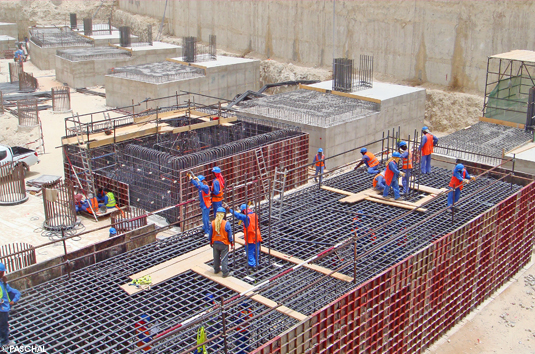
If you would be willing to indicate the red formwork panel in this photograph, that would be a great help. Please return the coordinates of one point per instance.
(410, 305)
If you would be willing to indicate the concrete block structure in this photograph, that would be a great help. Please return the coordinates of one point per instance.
(224, 77)
(7, 43)
(338, 122)
(86, 67)
(9, 29)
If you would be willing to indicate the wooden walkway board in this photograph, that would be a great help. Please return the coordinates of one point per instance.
(295, 260)
(240, 286)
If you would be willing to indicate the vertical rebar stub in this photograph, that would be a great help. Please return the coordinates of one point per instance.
(124, 36)
(59, 206)
(189, 47)
(74, 22)
(88, 26)
(12, 186)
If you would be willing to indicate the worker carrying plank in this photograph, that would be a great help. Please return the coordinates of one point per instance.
(251, 232)
(218, 186)
(392, 174)
(369, 160)
(458, 179)
(426, 148)
(319, 161)
(220, 237)
(205, 199)
(406, 160)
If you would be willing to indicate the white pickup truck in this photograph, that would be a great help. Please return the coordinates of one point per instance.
(18, 155)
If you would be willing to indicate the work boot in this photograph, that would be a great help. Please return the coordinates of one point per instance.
(228, 274)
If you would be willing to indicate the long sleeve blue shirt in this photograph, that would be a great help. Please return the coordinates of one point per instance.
(228, 229)
(366, 160)
(14, 296)
(424, 141)
(242, 217)
(202, 188)
(459, 175)
(216, 187)
(393, 166)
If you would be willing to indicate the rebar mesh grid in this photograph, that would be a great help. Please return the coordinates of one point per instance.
(157, 73)
(58, 37)
(310, 107)
(488, 140)
(61, 99)
(93, 53)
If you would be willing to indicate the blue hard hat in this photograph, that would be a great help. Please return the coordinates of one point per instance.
(221, 210)
(363, 150)
(2, 267)
(396, 154)
(209, 297)
(425, 128)
(320, 150)
(243, 207)
(200, 178)
(113, 231)
(216, 170)
(459, 166)
(145, 318)
(402, 143)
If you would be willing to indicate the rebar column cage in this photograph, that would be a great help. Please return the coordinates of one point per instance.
(343, 75)
(25, 256)
(27, 82)
(120, 219)
(212, 46)
(12, 186)
(88, 26)
(189, 47)
(124, 36)
(365, 72)
(28, 112)
(74, 22)
(61, 99)
(149, 34)
(509, 79)
(59, 206)
(14, 70)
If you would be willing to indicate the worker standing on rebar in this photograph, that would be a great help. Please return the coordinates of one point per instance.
(379, 182)
(242, 341)
(406, 160)
(251, 233)
(143, 332)
(426, 148)
(220, 237)
(204, 199)
(392, 174)
(319, 160)
(8, 297)
(369, 160)
(458, 179)
(218, 185)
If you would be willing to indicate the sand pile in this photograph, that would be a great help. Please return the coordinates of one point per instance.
(13, 135)
(272, 71)
(451, 111)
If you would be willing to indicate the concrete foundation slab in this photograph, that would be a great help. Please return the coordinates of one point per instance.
(9, 29)
(7, 43)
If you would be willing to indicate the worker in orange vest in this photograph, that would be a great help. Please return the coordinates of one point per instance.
(379, 182)
(460, 176)
(242, 342)
(406, 160)
(204, 199)
(392, 174)
(319, 160)
(90, 202)
(218, 185)
(251, 232)
(220, 237)
(426, 147)
(370, 161)
(143, 332)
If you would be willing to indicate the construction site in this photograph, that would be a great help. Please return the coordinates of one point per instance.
(141, 114)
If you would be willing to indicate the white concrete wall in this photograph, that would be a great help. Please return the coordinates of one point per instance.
(45, 58)
(10, 29)
(444, 42)
(87, 73)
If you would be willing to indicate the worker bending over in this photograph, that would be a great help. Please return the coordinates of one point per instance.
(460, 176)
(204, 199)
(379, 182)
(8, 297)
(392, 175)
(369, 160)
(426, 147)
(319, 160)
(220, 237)
(251, 233)
(90, 204)
(218, 185)
(406, 160)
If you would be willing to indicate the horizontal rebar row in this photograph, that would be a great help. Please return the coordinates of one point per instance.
(157, 73)
(93, 53)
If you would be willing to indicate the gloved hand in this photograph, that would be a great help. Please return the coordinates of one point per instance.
(402, 174)
(473, 178)
(190, 176)
(465, 181)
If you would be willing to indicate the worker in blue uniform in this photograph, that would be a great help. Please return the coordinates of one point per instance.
(220, 238)
(8, 297)
(217, 189)
(458, 179)
(406, 160)
(426, 148)
(379, 182)
(251, 233)
(205, 199)
(319, 161)
(242, 329)
(392, 174)
(370, 161)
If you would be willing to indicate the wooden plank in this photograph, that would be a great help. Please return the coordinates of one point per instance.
(395, 203)
(351, 95)
(241, 286)
(220, 121)
(356, 197)
(335, 190)
(425, 199)
(164, 115)
(502, 122)
(187, 64)
(295, 260)
(312, 88)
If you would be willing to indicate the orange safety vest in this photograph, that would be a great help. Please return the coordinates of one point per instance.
(94, 204)
(320, 162)
(252, 232)
(246, 314)
(376, 178)
(207, 200)
(455, 183)
(389, 175)
(373, 160)
(407, 162)
(427, 149)
(222, 236)
(217, 197)
(143, 334)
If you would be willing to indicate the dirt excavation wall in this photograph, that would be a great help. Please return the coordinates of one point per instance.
(442, 42)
